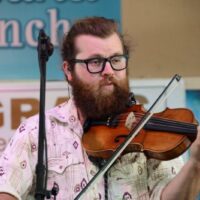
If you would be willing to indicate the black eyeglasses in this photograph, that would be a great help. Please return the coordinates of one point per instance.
(97, 65)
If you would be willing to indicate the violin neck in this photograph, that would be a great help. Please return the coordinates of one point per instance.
(187, 129)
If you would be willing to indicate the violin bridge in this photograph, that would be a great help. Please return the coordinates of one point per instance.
(130, 120)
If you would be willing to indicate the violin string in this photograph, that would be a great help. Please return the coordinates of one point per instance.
(171, 122)
(162, 119)
(171, 126)
(164, 122)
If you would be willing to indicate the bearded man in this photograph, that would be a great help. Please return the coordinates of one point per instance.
(95, 61)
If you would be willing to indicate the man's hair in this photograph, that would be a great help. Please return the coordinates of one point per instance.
(96, 26)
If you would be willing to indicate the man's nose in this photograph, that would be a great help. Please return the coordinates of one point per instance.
(107, 68)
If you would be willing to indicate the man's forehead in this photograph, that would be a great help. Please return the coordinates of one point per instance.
(96, 45)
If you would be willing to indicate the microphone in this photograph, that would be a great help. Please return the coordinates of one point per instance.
(45, 47)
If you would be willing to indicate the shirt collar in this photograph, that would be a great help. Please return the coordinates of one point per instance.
(65, 112)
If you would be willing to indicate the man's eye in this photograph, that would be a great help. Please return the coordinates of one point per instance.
(116, 60)
(95, 62)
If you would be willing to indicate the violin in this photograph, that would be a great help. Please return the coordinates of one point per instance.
(165, 136)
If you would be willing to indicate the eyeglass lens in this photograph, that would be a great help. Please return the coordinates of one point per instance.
(97, 64)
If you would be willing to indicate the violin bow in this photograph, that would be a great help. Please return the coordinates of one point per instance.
(162, 97)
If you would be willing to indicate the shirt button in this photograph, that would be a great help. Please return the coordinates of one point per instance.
(72, 118)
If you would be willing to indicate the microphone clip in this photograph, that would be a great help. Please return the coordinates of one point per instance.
(45, 47)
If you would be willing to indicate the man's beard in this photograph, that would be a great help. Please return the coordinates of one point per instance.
(95, 103)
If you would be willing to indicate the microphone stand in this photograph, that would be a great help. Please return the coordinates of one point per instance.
(45, 49)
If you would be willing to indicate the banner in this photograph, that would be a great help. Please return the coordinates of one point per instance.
(20, 22)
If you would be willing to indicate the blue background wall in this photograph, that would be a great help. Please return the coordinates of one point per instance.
(18, 60)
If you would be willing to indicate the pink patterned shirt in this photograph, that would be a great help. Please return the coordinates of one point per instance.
(133, 176)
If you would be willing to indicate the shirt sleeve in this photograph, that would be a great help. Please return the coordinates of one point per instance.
(16, 164)
(160, 173)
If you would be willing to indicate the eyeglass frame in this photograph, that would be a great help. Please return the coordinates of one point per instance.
(105, 60)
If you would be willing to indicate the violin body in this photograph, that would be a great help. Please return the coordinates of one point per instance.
(165, 136)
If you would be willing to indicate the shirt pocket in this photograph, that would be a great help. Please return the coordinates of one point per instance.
(66, 174)
(60, 165)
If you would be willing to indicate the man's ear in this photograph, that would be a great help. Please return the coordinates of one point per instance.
(67, 70)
